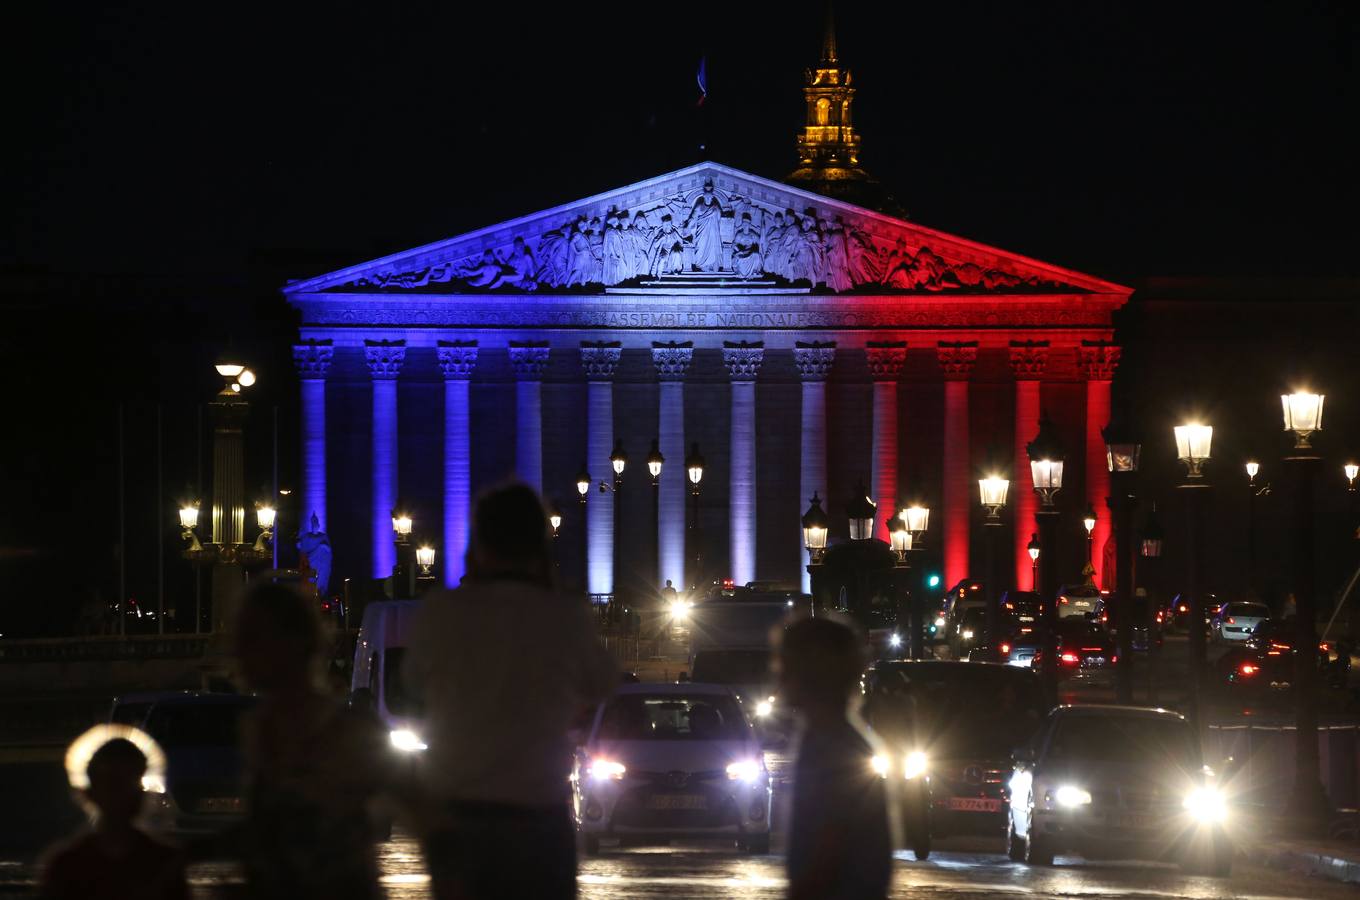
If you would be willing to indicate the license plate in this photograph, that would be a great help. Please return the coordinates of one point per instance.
(678, 801)
(1027, 618)
(975, 804)
(1133, 823)
(1093, 661)
(219, 804)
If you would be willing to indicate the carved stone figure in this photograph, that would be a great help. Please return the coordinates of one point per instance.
(639, 235)
(618, 255)
(584, 263)
(805, 257)
(770, 244)
(554, 256)
(316, 546)
(486, 272)
(866, 265)
(746, 259)
(836, 262)
(666, 256)
(704, 229)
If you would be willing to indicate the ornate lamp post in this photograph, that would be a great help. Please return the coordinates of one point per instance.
(618, 461)
(228, 553)
(694, 468)
(1046, 471)
(654, 463)
(992, 493)
(1193, 444)
(815, 529)
(425, 560)
(861, 511)
(583, 480)
(899, 539)
(1088, 521)
(404, 572)
(1351, 470)
(917, 519)
(1308, 804)
(1122, 453)
(1253, 468)
(1033, 550)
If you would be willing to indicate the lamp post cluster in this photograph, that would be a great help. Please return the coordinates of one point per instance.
(414, 571)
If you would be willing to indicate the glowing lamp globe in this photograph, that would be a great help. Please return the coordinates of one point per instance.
(1193, 443)
(1252, 469)
(862, 511)
(1302, 415)
(993, 491)
(264, 517)
(654, 461)
(425, 558)
(246, 378)
(694, 465)
(402, 525)
(618, 459)
(188, 516)
(815, 528)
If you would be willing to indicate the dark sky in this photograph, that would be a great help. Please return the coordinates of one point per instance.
(1123, 139)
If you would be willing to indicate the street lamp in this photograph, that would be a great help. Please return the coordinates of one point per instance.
(899, 538)
(654, 463)
(1308, 804)
(1194, 442)
(861, 511)
(401, 527)
(264, 518)
(1253, 468)
(619, 460)
(992, 494)
(917, 518)
(583, 483)
(1351, 470)
(1046, 471)
(1122, 455)
(1033, 550)
(1088, 521)
(425, 559)
(694, 468)
(815, 529)
(1153, 536)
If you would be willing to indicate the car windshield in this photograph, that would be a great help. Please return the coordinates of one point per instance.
(673, 717)
(180, 725)
(731, 667)
(1123, 739)
(1248, 610)
(397, 695)
(955, 709)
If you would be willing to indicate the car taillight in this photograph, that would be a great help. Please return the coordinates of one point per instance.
(1184, 608)
(1006, 649)
(1062, 600)
(1231, 620)
(1159, 617)
(1114, 659)
(1070, 659)
(1248, 669)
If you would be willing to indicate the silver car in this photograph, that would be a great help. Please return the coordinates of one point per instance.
(1236, 622)
(1117, 782)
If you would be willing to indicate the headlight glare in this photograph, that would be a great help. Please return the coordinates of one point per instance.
(747, 770)
(914, 766)
(764, 708)
(407, 741)
(1072, 797)
(606, 770)
(1206, 804)
(881, 765)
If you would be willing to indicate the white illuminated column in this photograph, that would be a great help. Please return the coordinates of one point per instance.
(885, 366)
(956, 361)
(313, 359)
(814, 361)
(1028, 359)
(743, 362)
(457, 359)
(384, 365)
(529, 359)
(672, 361)
(599, 362)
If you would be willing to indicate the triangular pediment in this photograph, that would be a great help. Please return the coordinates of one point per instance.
(713, 220)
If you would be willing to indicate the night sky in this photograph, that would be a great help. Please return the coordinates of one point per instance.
(204, 154)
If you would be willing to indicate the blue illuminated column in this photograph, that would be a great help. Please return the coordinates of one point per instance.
(457, 359)
(384, 364)
(743, 366)
(529, 359)
(814, 361)
(313, 359)
(885, 366)
(599, 359)
(672, 362)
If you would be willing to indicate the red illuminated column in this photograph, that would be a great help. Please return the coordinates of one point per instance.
(885, 365)
(1028, 359)
(1098, 361)
(956, 361)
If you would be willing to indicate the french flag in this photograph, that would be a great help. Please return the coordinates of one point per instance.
(703, 80)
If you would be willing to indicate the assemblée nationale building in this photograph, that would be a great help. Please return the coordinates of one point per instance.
(802, 333)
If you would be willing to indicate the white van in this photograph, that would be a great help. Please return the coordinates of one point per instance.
(379, 654)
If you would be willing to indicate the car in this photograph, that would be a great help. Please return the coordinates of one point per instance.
(1017, 646)
(968, 631)
(1255, 676)
(665, 761)
(1147, 624)
(199, 732)
(1080, 601)
(1237, 621)
(377, 681)
(1022, 607)
(1084, 649)
(1117, 782)
(1273, 634)
(951, 727)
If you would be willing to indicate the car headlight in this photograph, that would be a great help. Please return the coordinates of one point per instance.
(1072, 797)
(153, 784)
(895, 640)
(747, 770)
(881, 766)
(939, 621)
(680, 609)
(1206, 804)
(968, 634)
(607, 770)
(407, 741)
(914, 766)
(764, 708)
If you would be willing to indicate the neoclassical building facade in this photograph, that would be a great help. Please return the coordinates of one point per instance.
(804, 343)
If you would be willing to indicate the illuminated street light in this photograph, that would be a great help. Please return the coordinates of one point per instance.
(862, 512)
(619, 460)
(993, 491)
(1302, 415)
(917, 518)
(1351, 470)
(425, 558)
(246, 378)
(815, 528)
(655, 461)
(583, 483)
(899, 538)
(1252, 469)
(401, 526)
(694, 467)
(1046, 463)
(1193, 442)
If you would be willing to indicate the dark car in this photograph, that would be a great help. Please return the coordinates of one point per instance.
(951, 727)
(1147, 625)
(1022, 607)
(1083, 648)
(968, 632)
(1273, 634)
(1255, 676)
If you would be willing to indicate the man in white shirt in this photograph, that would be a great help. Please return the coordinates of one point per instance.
(505, 664)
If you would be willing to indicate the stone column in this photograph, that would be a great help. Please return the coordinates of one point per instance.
(529, 359)
(672, 361)
(1098, 360)
(1028, 359)
(814, 361)
(599, 360)
(313, 359)
(743, 366)
(457, 359)
(885, 365)
(956, 362)
(384, 364)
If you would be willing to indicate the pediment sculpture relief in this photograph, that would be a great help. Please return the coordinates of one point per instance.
(708, 230)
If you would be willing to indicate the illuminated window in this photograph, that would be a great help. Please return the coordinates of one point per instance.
(823, 110)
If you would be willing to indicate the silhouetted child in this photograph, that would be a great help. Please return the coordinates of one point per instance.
(116, 859)
(841, 833)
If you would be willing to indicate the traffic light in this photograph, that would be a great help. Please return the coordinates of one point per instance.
(933, 580)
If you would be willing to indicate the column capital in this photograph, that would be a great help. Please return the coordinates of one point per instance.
(1098, 360)
(957, 358)
(600, 359)
(529, 359)
(313, 358)
(814, 359)
(743, 359)
(886, 359)
(457, 359)
(672, 359)
(384, 358)
(1028, 359)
